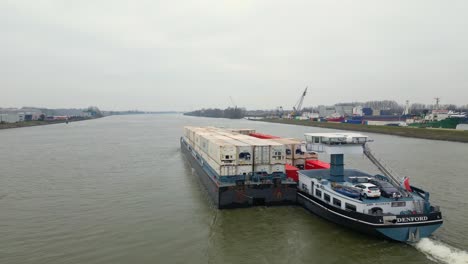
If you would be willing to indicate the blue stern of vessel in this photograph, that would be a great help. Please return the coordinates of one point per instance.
(403, 234)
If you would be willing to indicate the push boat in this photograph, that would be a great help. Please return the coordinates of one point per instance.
(406, 216)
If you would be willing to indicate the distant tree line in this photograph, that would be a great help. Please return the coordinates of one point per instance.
(94, 111)
(230, 112)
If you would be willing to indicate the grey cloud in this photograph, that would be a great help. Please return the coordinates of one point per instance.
(182, 55)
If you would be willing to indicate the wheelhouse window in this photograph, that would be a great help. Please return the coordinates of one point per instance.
(350, 207)
(398, 204)
(337, 202)
(318, 193)
(326, 197)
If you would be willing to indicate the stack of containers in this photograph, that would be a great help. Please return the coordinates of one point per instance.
(229, 158)
(234, 155)
(269, 156)
(294, 154)
(242, 156)
(190, 134)
(220, 155)
(295, 149)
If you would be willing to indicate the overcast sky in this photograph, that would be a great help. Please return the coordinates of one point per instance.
(184, 55)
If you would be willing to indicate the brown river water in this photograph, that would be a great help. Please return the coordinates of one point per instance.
(118, 190)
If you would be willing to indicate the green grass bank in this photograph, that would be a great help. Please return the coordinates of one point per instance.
(425, 133)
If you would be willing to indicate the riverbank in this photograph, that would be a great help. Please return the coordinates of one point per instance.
(425, 133)
(39, 123)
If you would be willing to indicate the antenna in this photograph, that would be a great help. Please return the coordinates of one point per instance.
(437, 103)
(407, 108)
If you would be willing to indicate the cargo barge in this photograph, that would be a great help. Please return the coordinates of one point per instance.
(241, 168)
(238, 170)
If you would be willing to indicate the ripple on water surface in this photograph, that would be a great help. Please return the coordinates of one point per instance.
(118, 190)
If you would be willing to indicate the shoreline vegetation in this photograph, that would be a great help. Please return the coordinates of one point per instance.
(42, 123)
(231, 113)
(424, 133)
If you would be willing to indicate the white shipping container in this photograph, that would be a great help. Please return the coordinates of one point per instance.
(298, 152)
(261, 150)
(216, 148)
(198, 135)
(227, 170)
(243, 150)
(277, 168)
(244, 170)
(262, 169)
(261, 154)
(243, 131)
(190, 132)
(268, 169)
(299, 162)
(289, 144)
(277, 152)
(221, 151)
(221, 170)
(311, 155)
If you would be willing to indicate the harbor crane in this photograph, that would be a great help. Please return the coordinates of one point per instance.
(298, 106)
(233, 103)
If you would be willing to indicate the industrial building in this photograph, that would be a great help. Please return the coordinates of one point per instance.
(13, 115)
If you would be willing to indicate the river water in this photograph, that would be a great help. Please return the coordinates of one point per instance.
(118, 190)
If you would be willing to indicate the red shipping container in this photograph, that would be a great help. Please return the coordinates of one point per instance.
(316, 165)
(291, 172)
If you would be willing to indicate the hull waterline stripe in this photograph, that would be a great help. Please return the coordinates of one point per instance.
(364, 222)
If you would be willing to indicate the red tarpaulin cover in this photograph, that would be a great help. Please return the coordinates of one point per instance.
(262, 136)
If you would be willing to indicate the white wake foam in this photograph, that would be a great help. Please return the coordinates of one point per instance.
(440, 252)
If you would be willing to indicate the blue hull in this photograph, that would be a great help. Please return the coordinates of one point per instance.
(410, 232)
(403, 234)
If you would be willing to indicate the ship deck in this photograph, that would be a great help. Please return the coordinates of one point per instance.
(326, 180)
